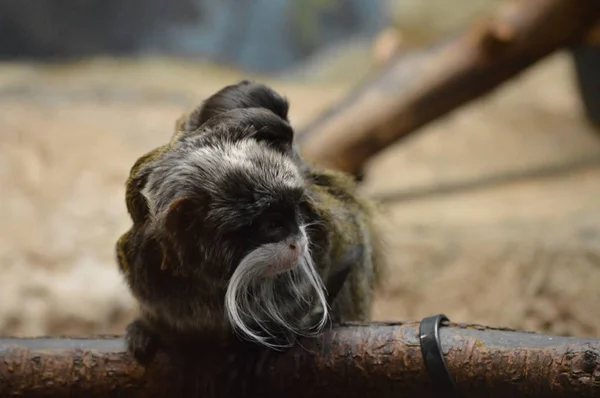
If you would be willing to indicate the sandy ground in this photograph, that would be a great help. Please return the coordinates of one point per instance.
(524, 255)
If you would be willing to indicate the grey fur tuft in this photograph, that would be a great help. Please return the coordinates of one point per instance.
(191, 165)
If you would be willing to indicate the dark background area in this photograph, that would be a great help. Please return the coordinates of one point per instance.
(260, 35)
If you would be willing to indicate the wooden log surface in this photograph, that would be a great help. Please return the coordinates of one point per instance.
(416, 89)
(375, 360)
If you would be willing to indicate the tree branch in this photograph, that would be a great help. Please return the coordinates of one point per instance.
(419, 88)
(376, 360)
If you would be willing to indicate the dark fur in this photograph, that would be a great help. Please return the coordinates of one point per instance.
(183, 267)
(243, 95)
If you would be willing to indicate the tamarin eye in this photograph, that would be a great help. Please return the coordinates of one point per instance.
(273, 224)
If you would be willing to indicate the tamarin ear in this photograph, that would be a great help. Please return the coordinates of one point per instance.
(178, 217)
(243, 95)
(182, 227)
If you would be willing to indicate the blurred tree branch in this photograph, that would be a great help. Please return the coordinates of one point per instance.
(419, 88)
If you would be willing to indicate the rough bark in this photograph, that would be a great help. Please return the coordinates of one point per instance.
(421, 87)
(376, 360)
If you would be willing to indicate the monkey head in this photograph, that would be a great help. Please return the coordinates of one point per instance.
(228, 212)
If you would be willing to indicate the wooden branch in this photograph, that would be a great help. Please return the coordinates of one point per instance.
(419, 88)
(376, 360)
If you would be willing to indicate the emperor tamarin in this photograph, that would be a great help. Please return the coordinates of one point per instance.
(233, 232)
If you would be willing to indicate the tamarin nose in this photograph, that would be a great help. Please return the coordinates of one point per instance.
(293, 247)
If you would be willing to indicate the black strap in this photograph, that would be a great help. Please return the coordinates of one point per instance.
(433, 356)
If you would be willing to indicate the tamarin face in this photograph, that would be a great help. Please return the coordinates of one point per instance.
(229, 212)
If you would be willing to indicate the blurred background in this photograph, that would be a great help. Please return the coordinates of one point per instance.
(88, 86)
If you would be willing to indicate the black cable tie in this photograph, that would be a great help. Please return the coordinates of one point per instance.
(431, 349)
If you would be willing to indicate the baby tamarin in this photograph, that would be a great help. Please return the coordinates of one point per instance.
(234, 232)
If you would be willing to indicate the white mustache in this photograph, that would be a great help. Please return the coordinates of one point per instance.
(251, 298)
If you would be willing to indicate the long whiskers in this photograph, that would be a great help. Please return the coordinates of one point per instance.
(252, 302)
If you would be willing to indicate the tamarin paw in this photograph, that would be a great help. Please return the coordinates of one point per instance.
(141, 342)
